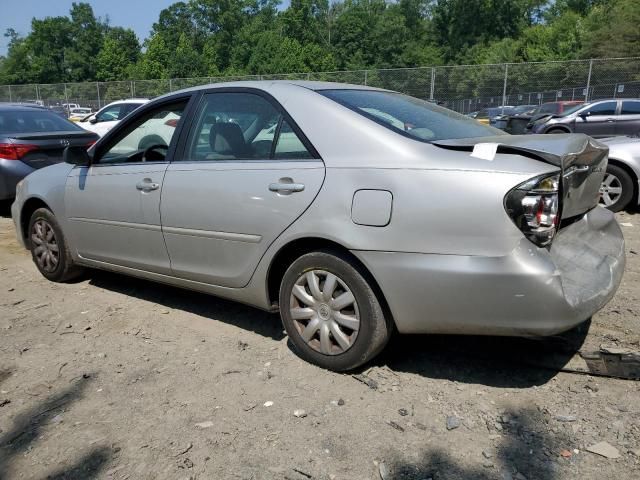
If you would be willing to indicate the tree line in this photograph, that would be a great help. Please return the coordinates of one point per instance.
(246, 37)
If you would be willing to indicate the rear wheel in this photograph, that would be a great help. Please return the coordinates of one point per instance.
(331, 313)
(557, 130)
(616, 190)
(49, 249)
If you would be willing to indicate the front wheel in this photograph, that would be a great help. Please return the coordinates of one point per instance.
(49, 248)
(616, 190)
(331, 313)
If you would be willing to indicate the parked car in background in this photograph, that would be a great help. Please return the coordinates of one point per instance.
(500, 121)
(109, 116)
(600, 119)
(620, 185)
(80, 113)
(486, 115)
(362, 212)
(517, 123)
(31, 138)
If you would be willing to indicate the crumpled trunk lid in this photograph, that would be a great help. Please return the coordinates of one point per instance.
(582, 161)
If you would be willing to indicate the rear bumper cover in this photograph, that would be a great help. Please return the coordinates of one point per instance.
(532, 291)
(11, 172)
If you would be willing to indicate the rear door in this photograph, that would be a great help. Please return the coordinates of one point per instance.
(628, 122)
(599, 120)
(246, 172)
(113, 206)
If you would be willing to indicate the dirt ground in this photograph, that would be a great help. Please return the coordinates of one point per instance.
(117, 378)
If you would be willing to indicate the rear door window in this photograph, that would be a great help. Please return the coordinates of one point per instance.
(630, 107)
(242, 126)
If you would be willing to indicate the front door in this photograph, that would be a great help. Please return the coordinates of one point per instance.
(599, 120)
(113, 206)
(245, 174)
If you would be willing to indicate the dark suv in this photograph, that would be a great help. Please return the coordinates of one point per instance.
(603, 118)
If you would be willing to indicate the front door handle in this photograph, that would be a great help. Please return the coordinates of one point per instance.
(286, 188)
(147, 185)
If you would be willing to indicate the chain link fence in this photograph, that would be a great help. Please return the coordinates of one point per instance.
(465, 88)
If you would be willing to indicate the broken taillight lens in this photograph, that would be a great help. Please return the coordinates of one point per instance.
(534, 206)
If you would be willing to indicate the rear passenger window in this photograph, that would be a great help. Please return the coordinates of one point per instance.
(241, 126)
(630, 108)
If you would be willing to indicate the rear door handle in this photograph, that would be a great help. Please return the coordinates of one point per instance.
(147, 185)
(286, 188)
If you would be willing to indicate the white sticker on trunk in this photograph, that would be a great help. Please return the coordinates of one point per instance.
(485, 151)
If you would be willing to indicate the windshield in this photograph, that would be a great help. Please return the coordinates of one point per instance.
(410, 116)
(34, 121)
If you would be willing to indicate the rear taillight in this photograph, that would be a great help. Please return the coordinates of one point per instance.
(534, 207)
(172, 123)
(13, 151)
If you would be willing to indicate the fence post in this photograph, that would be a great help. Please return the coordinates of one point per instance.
(10, 97)
(170, 85)
(586, 98)
(504, 87)
(66, 99)
(365, 77)
(37, 93)
(433, 83)
(98, 90)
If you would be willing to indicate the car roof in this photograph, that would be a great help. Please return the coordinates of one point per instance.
(266, 85)
(21, 106)
(141, 101)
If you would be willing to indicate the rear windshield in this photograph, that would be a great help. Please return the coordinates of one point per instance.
(34, 121)
(410, 116)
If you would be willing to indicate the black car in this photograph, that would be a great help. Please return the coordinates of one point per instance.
(32, 137)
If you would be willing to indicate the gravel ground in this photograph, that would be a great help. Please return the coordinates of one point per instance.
(118, 378)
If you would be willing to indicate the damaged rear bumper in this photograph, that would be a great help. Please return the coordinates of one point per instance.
(531, 291)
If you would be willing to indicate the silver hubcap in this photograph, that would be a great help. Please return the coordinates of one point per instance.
(610, 189)
(44, 245)
(325, 312)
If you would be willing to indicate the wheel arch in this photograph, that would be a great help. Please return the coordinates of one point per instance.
(289, 252)
(558, 127)
(30, 205)
(624, 166)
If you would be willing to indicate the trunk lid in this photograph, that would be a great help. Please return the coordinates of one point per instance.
(581, 159)
(50, 146)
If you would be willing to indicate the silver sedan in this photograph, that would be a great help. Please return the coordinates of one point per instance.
(353, 211)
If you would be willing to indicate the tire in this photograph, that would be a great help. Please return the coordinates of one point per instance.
(556, 131)
(150, 140)
(355, 342)
(616, 178)
(44, 230)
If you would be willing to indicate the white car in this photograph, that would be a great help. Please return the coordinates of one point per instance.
(109, 116)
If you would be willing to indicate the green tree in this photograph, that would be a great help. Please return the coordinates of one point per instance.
(120, 50)
(86, 38)
(612, 29)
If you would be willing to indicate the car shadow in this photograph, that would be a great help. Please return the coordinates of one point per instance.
(207, 306)
(491, 361)
(510, 362)
(30, 425)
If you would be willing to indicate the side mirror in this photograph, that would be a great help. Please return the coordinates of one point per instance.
(94, 120)
(76, 156)
(584, 115)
